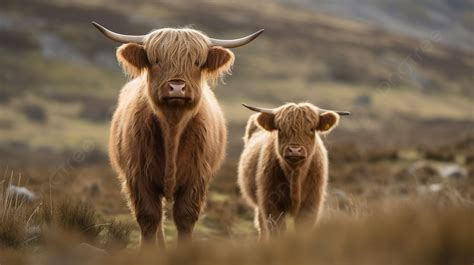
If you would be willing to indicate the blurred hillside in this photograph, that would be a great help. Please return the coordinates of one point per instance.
(453, 19)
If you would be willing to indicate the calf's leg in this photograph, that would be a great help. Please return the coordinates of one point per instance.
(259, 223)
(308, 214)
(160, 235)
(306, 219)
(273, 219)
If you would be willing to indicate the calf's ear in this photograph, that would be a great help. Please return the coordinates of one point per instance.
(266, 121)
(327, 121)
(218, 62)
(133, 59)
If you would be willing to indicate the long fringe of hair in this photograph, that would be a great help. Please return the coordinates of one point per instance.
(179, 50)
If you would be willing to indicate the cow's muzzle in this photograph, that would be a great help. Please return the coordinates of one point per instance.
(176, 92)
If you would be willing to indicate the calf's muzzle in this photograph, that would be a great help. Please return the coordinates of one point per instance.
(294, 153)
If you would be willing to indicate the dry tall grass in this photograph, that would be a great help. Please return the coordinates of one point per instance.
(13, 216)
(416, 229)
(26, 226)
(433, 228)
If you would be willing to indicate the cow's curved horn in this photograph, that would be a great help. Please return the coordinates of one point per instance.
(342, 113)
(139, 39)
(237, 42)
(256, 109)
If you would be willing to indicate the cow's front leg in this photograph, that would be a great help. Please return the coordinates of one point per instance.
(148, 208)
(186, 210)
(149, 216)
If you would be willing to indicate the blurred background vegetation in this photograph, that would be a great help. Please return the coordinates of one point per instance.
(403, 68)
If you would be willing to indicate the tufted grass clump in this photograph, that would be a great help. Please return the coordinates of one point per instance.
(26, 224)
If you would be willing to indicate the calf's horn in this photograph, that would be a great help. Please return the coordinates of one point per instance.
(271, 111)
(256, 109)
(341, 113)
(140, 39)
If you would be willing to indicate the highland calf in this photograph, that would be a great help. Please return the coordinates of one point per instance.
(168, 134)
(283, 168)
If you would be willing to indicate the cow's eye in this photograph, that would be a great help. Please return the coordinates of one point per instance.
(197, 64)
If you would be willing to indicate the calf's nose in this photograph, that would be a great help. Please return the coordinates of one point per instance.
(295, 151)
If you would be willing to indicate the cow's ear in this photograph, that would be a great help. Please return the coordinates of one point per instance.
(218, 62)
(266, 121)
(327, 121)
(133, 59)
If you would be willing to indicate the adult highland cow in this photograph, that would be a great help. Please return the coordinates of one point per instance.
(168, 134)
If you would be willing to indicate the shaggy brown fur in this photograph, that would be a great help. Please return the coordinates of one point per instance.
(274, 184)
(164, 147)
